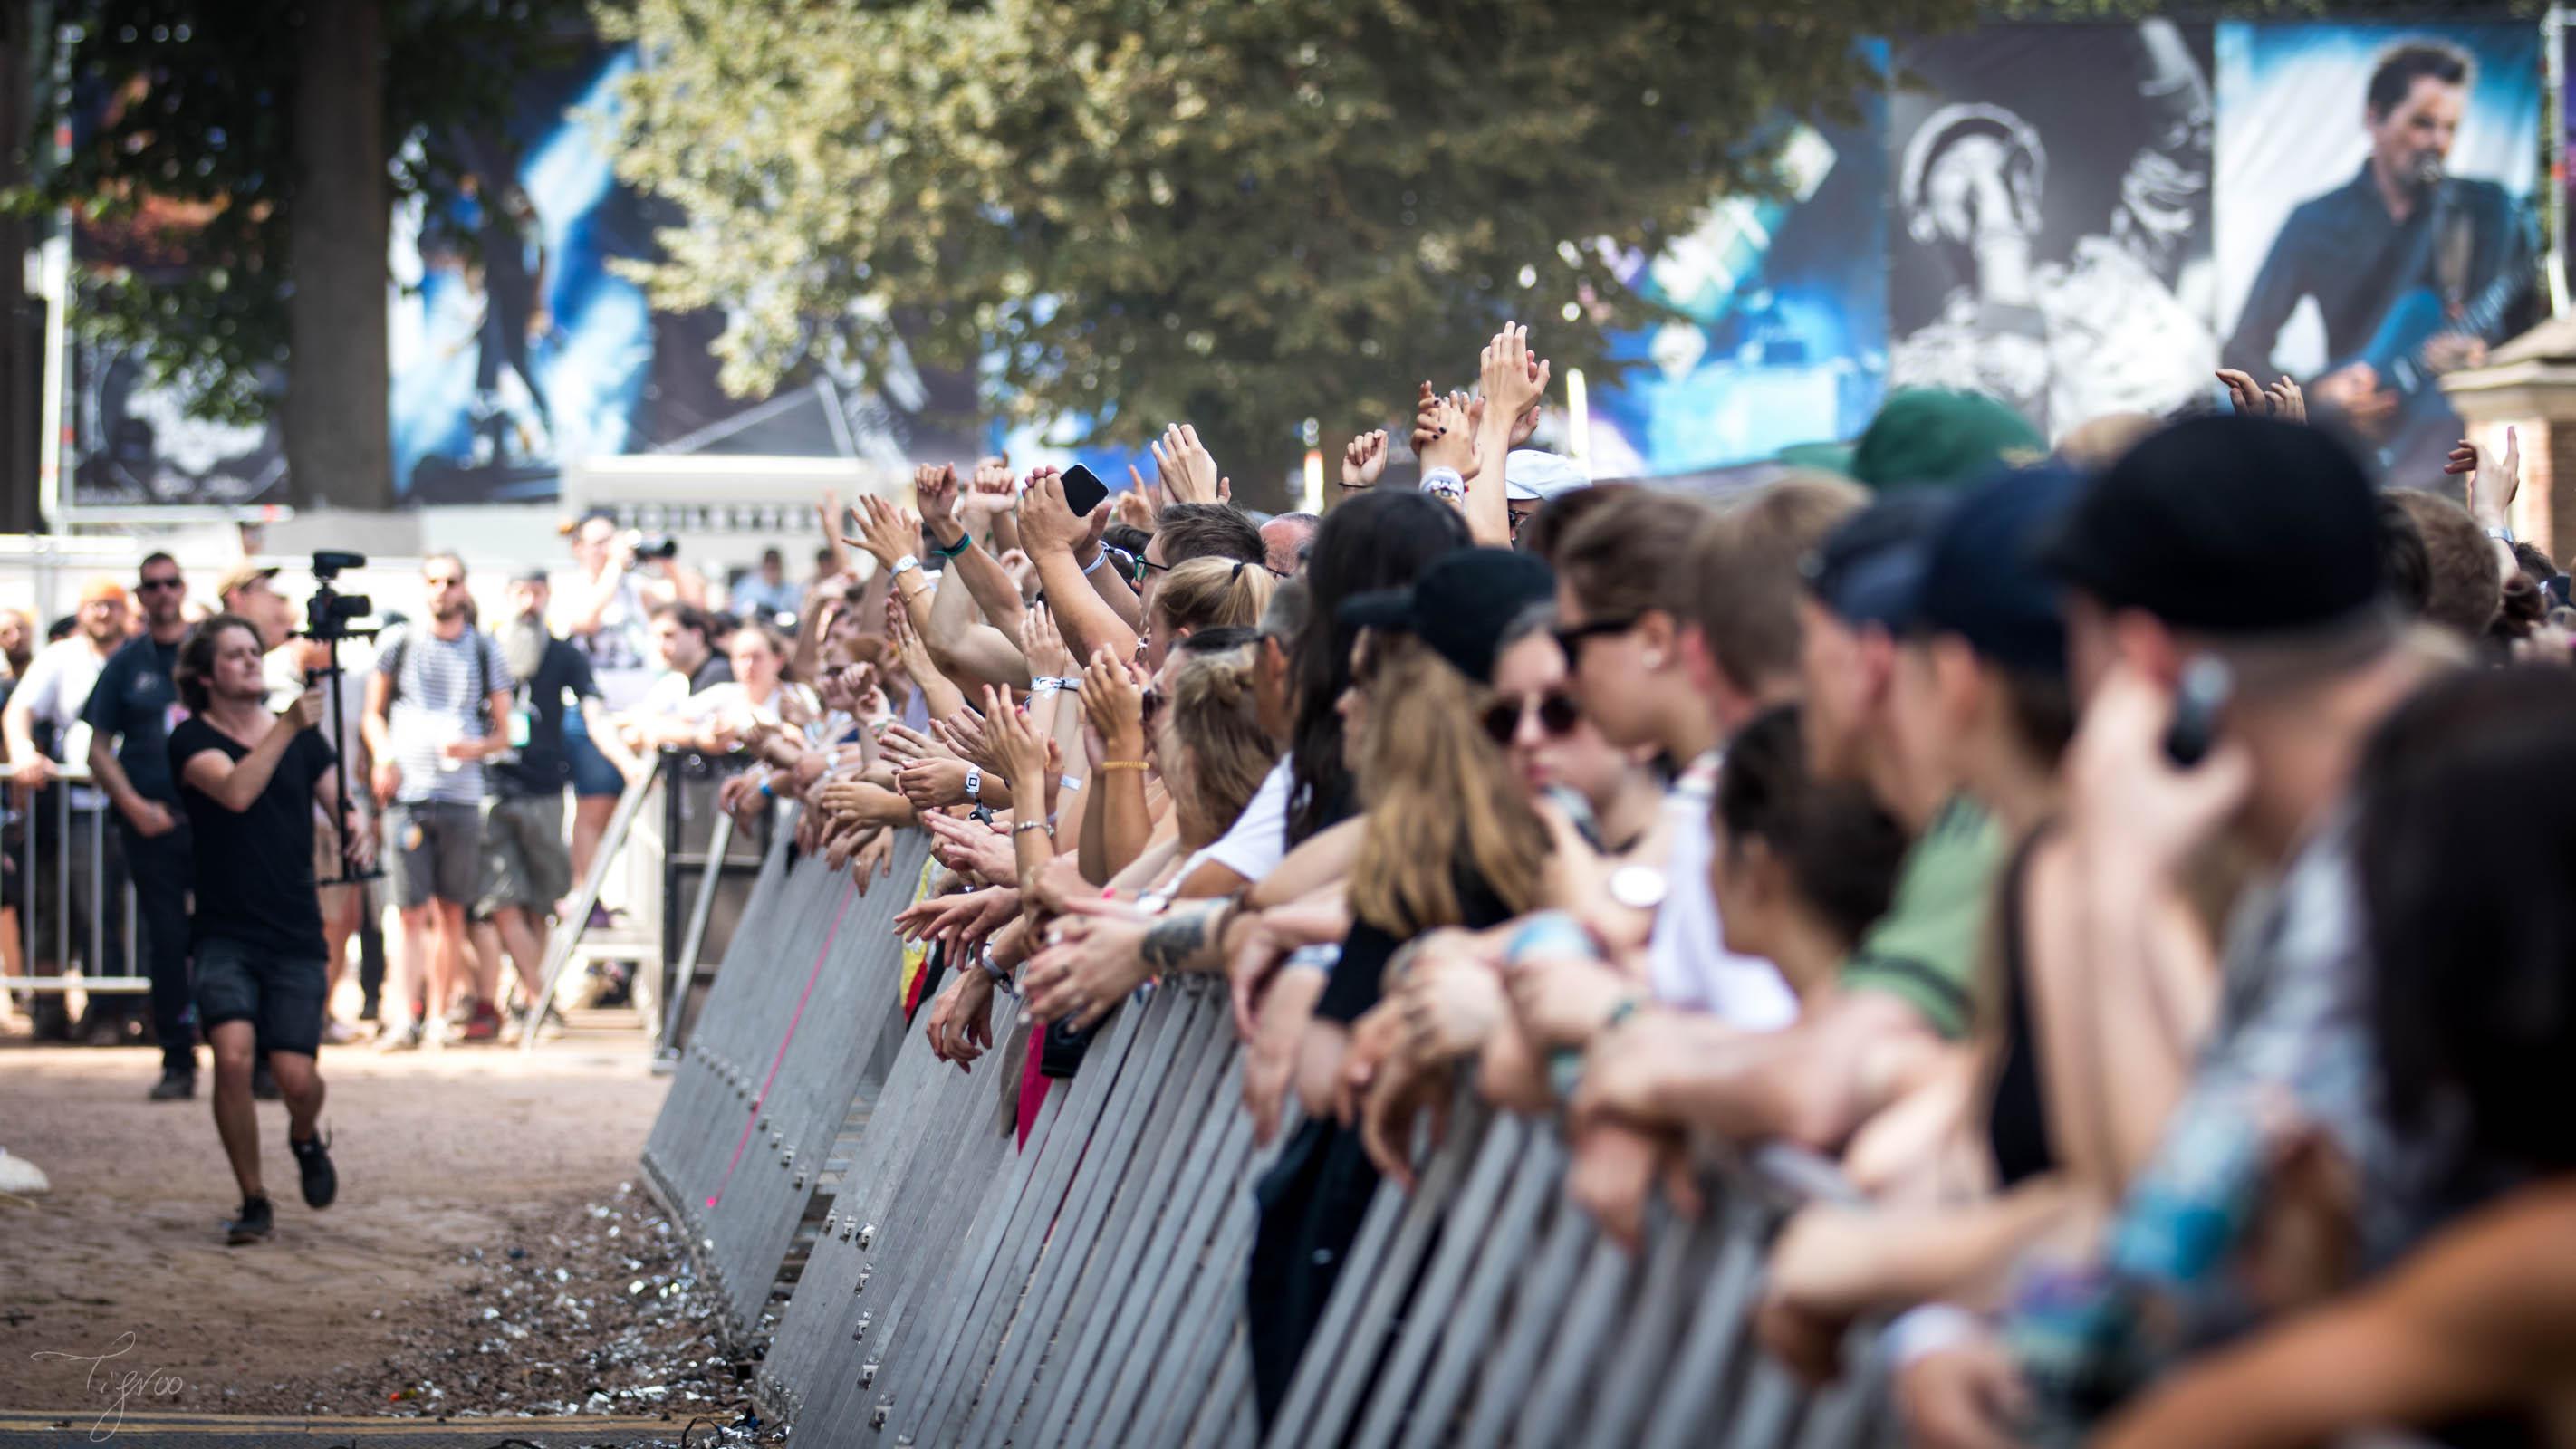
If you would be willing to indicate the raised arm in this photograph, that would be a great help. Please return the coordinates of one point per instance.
(236, 784)
(1065, 549)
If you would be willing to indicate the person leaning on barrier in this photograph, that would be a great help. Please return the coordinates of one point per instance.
(2249, 547)
(41, 724)
(686, 640)
(2462, 909)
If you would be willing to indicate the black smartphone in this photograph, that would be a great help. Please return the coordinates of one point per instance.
(1083, 490)
(2198, 700)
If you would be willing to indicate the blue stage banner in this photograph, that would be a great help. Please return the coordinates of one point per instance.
(1782, 337)
(517, 345)
(2375, 217)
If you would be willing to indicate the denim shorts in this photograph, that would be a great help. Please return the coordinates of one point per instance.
(592, 774)
(281, 996)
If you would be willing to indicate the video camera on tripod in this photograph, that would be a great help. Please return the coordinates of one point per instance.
(327, 621)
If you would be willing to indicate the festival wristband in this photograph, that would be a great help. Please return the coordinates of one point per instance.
(965, 541)
(975, 784)
(1097, 559)
(1444, 483)
(1551, 933)
(908, 561)
(1068, 782)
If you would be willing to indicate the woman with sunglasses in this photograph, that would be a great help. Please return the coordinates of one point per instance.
(1450, 839)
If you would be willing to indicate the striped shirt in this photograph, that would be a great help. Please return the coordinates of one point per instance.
(435, 700)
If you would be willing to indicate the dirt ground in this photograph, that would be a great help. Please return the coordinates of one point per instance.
(491, 1251)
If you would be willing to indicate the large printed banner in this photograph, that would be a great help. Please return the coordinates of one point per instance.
(2375, 224)
(2088, 219)
(517, 346)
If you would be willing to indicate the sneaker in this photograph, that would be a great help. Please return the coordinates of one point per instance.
(402, 1038)
(461, 1011)
(22, 1178)
(257, 1221)
(176, 1085)
(313, 1160)
(483, 1025)
(263, 1083)
(336, 1032)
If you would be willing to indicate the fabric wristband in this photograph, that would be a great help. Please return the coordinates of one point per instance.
(1919, 1332)
(1097, 559)
(1444, 483)
(1068, 782)
(908, 561)
(965, 541)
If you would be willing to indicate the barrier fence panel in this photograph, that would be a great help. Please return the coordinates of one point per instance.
(77, 923)
(1086, 1286)
(795, 1025)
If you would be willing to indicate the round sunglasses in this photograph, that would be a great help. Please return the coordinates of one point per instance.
(1558, 714)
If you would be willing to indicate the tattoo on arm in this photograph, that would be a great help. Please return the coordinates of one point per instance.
(1171, 943)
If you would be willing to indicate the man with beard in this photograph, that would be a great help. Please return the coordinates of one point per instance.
(435, 706)
(130, 713)
(526, 867)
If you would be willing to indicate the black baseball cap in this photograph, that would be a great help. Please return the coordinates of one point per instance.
(2229, 526)
(1982, 579)
(1869, 570)
(1461, 605)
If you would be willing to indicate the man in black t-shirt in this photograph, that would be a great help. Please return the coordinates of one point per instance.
(527, 867)
(130, 712)
(250, 780)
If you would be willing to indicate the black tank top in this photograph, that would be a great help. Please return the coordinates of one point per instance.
(2017, 1118)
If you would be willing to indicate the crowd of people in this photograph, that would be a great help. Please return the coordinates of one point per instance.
(2130, 865)
(2120, 862)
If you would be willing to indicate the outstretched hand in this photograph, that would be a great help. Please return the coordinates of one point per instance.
(2281, 400)
(1364, 460)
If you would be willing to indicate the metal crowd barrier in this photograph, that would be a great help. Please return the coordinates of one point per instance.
(797, 1024)
(1086, 1287)
(54, 841)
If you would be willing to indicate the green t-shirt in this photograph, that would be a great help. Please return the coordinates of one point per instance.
(1925, 950)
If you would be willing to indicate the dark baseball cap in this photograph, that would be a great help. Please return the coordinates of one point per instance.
(1461, 605)
(1982, 579)
(2229, 526)
(1869, 570)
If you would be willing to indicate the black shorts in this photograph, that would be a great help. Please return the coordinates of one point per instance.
(280, 996)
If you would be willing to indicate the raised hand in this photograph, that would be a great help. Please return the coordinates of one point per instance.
(1042, 643)
(885, 531)
(1115, 704)
(933, 784)
(1046, 520)
(1364, 460)
(1136, 507)
(1510, 376)
(2281, 400)
(1019, 753)
(970, 847)
(1444, 438)
(2494, 479)
(934, 488)
(964, 734)
(1188, 469)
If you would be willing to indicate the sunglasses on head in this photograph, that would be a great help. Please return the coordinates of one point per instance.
(1558, 714)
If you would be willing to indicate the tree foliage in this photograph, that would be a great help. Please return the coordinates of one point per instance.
(183, 163)
(1241, 214)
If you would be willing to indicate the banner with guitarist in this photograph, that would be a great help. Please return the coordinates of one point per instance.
(2374, 215)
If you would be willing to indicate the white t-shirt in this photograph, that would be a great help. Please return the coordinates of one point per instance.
(55, 687)
(1688, 964)
(1258, 840)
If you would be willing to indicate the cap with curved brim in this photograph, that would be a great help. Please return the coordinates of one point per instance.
(1461, 606)
(1531, 476)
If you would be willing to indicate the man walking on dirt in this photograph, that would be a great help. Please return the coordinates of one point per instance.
(250, 780)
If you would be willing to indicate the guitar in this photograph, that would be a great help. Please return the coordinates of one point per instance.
(2395, 354)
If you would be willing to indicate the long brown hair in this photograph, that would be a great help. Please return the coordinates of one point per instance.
(1440, 796)
(1213, 748)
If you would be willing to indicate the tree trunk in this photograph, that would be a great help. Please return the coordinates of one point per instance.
(339, 449)
(22, 363)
